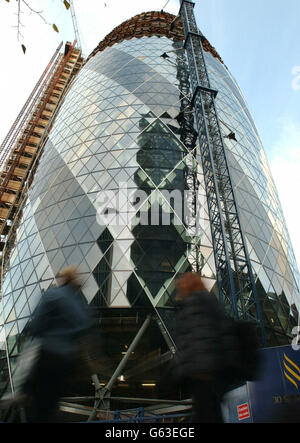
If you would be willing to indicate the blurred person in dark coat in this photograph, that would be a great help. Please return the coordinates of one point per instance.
(59, 321)
(199, 349)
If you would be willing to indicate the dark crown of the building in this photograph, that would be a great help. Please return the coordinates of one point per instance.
(148, 24)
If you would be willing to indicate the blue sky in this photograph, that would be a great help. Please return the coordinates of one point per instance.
(257, 39)
(259, 42)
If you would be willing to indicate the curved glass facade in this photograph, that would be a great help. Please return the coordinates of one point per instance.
(118, 130)
(271, 252)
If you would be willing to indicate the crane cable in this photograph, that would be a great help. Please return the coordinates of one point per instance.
(165, 5)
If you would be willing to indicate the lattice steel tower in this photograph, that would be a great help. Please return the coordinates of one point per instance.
(237, 290)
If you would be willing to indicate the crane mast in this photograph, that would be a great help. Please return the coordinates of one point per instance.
(235, 279)
(75, 25)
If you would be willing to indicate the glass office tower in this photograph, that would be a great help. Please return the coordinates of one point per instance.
(119, 130)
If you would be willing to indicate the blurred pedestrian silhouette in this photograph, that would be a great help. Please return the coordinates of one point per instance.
(59, 322)
(211, 352)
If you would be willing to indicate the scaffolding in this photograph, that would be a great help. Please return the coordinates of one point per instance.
(25, 112)
(24, 143)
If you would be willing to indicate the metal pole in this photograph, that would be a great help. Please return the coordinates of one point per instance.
(128, 353)
(103, 391)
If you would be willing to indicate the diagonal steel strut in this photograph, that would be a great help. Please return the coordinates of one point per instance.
(103, 393)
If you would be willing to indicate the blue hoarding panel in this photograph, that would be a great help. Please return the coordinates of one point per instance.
(275, 395)
(236, 407)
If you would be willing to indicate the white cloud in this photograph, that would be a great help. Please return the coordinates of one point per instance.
(285, 167)
(296, 79)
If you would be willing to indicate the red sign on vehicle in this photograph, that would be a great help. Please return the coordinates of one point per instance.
(243, 411)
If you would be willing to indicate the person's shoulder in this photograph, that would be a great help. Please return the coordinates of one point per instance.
(204, 299)
(52, 293)
(202, 296)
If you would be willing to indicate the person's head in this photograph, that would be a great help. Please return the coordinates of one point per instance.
(188, 283)
(70, 276)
